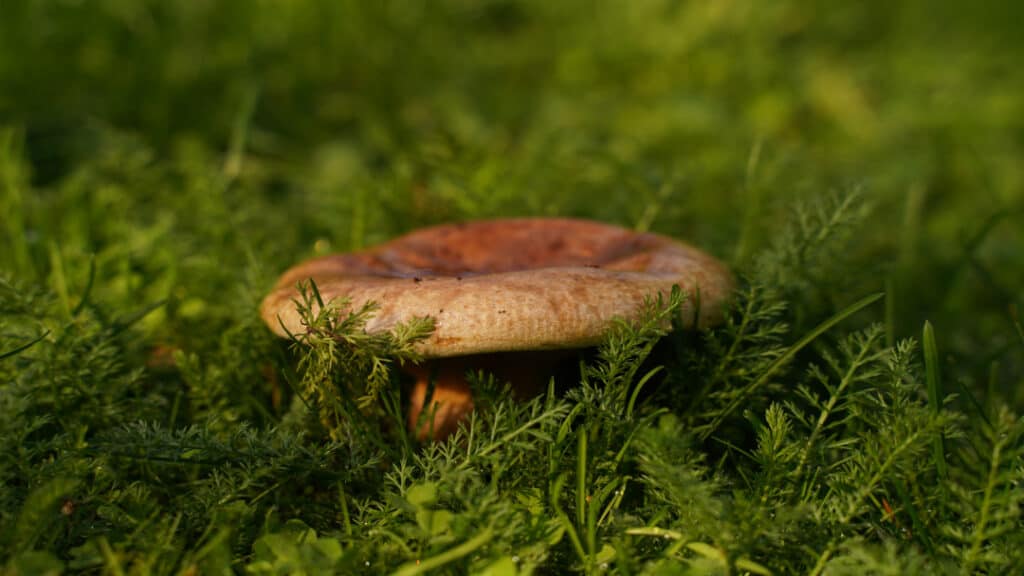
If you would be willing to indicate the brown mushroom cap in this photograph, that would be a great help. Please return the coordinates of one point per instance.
(507, 285)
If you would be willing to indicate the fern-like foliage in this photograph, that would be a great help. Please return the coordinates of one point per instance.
(807, 259)
(784, 441)
(234, 379)
(608, 385)
(986, 496)
(856, 558)
(738, 366)
(72, 381)
(725, 371)
(344, 368)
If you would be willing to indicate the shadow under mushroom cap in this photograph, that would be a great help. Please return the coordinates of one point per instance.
(507, 285)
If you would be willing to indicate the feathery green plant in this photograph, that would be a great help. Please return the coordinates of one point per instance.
(344, 368)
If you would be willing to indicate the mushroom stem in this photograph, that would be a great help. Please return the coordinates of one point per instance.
(452, 399)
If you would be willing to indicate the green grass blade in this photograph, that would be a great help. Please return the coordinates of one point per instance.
(412, 568)
(87, 291)
(890, 312)
(581, 479)
(935, 394)
(23, 347)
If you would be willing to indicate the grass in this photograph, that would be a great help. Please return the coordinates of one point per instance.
(161, 163)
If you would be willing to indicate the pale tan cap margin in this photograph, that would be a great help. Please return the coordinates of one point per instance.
(508, 285)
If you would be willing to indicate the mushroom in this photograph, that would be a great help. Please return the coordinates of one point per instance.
(538, 285)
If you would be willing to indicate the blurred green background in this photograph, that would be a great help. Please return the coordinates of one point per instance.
(195, 149)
